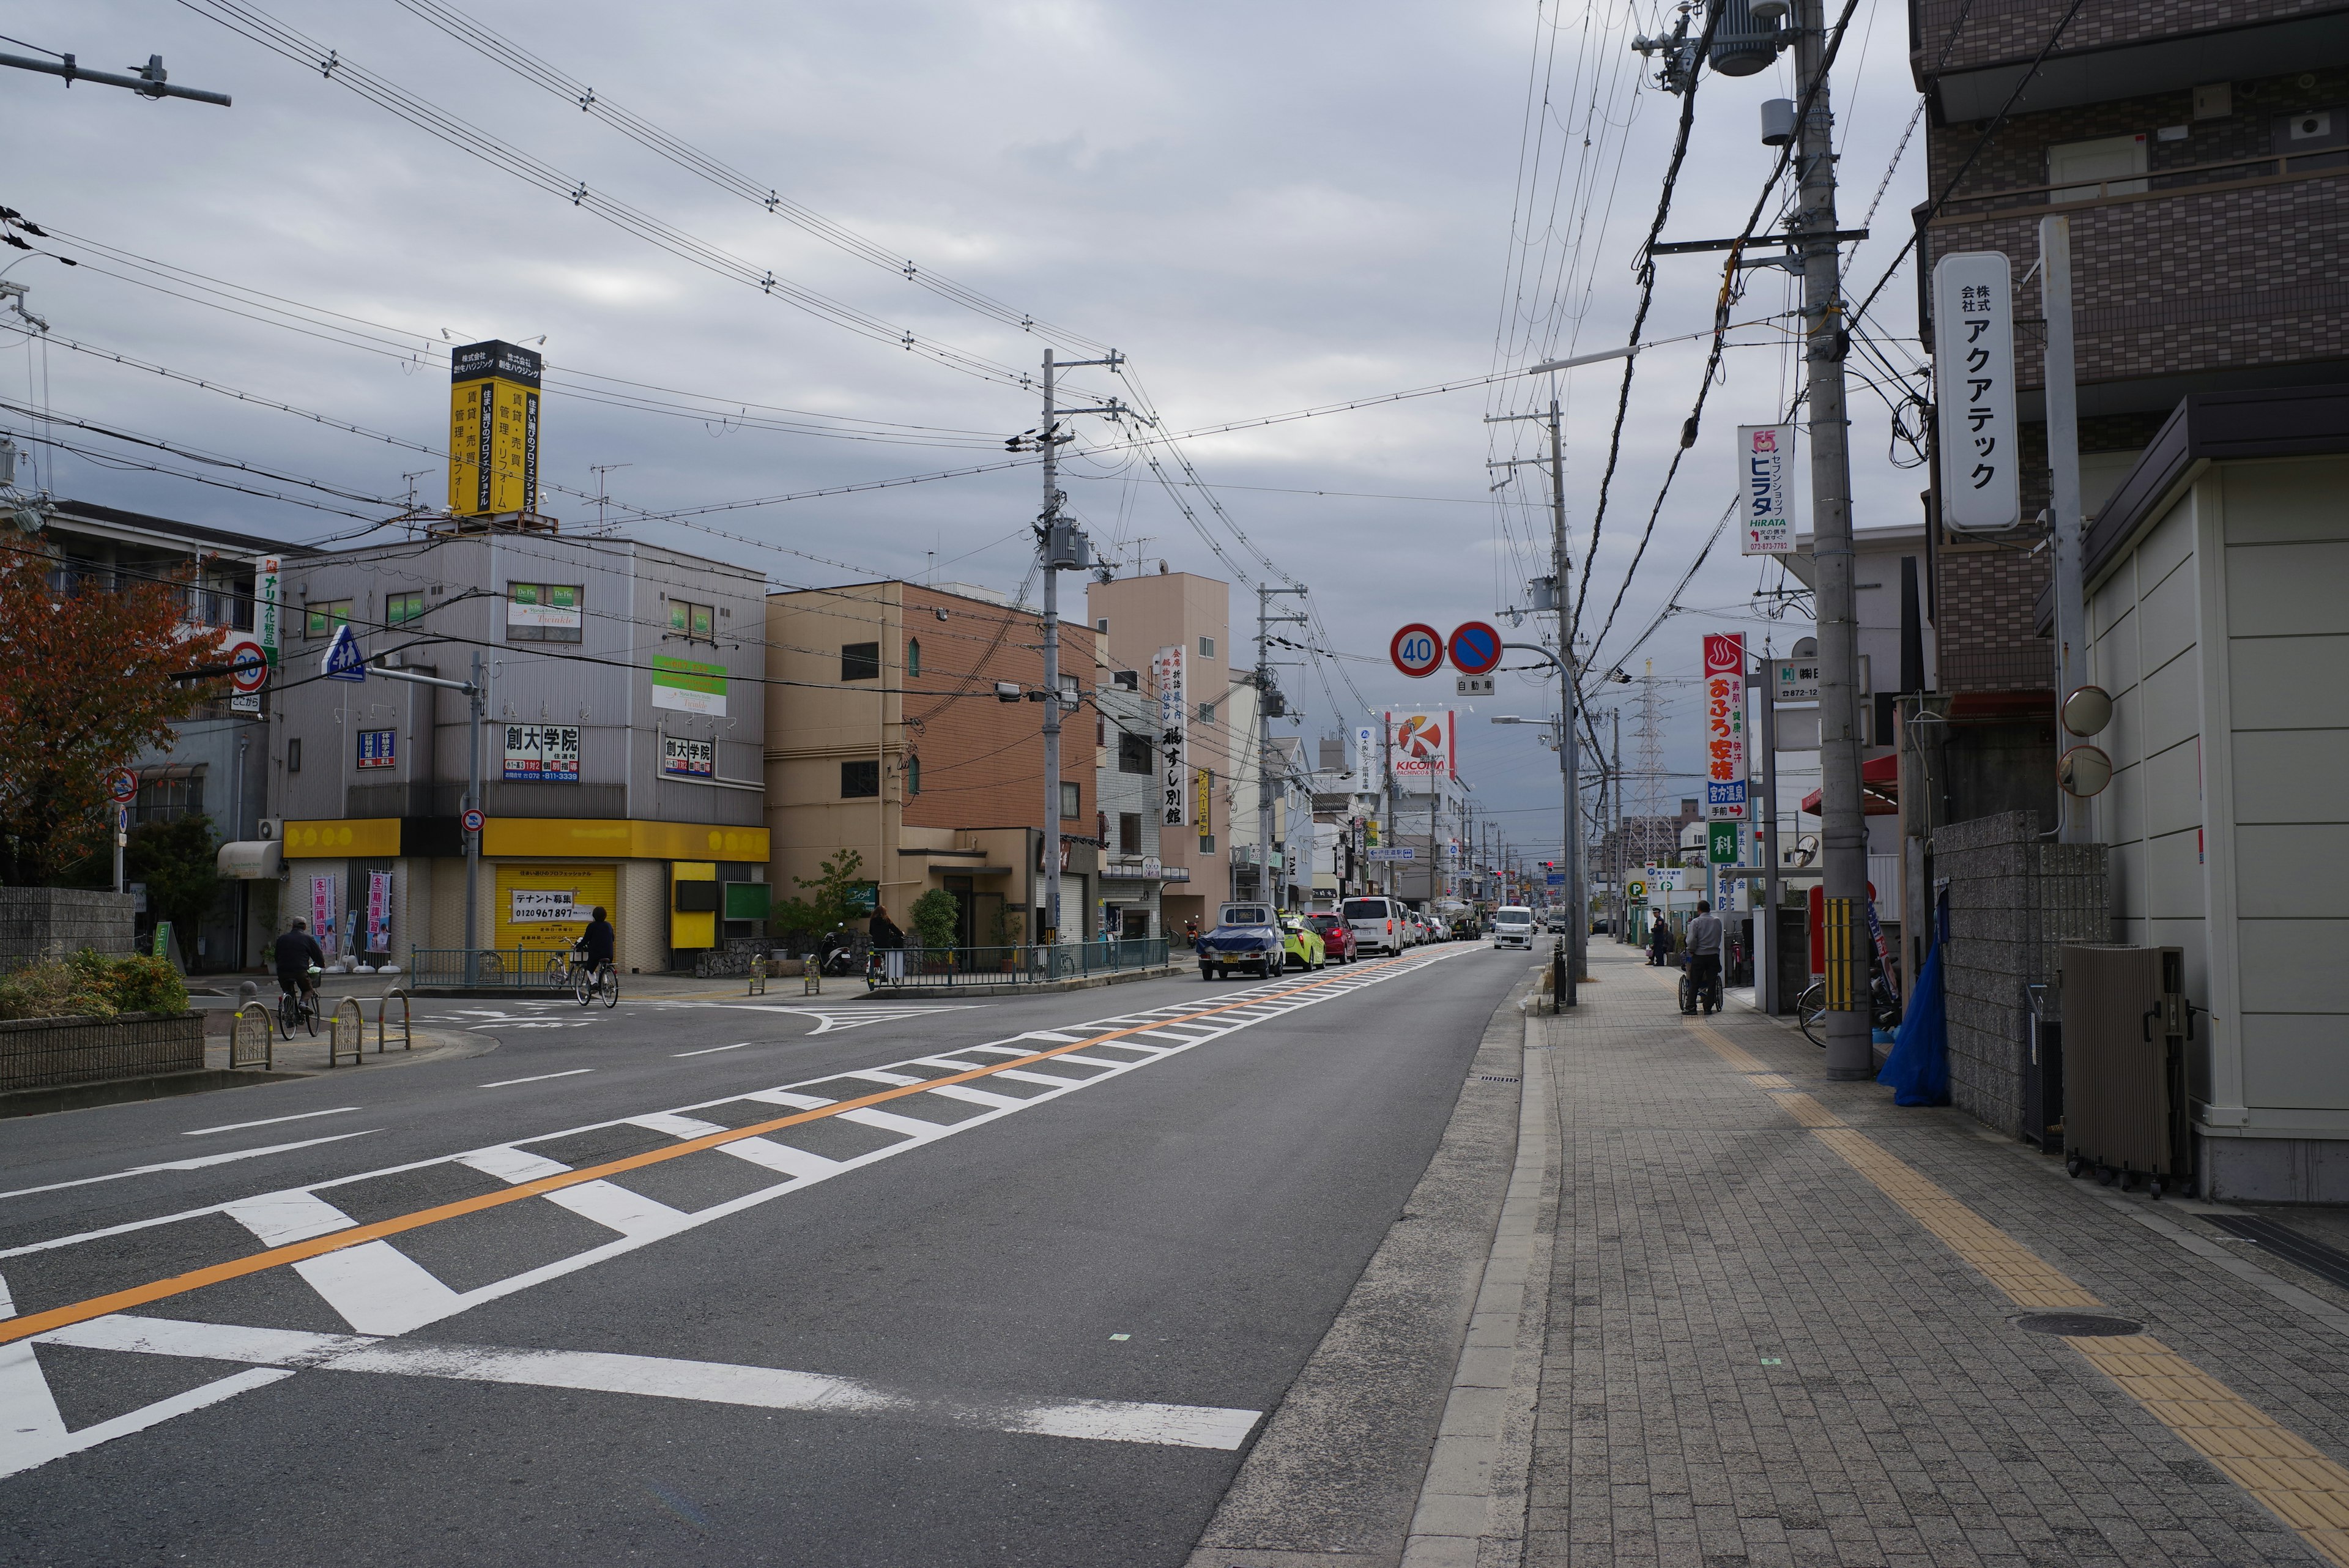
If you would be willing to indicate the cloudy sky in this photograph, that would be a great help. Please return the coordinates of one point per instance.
(1268, 207)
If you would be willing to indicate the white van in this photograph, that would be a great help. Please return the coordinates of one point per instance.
(1513, 927)
(1380, 925)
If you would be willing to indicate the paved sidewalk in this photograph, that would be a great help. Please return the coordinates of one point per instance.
(1789, 1323)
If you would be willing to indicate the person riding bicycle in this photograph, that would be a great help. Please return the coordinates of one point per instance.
(889, 942)
(297, 953)
(1706, 945)
(598, 942)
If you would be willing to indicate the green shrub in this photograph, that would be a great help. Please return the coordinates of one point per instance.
(91, 985)
(938, 918)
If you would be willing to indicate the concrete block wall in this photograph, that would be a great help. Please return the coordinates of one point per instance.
(33, 919)
(2013, 899)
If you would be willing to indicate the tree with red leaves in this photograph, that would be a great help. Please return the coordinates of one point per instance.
(85, 686)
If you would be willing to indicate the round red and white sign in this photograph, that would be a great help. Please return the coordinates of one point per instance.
(122, 784)
(473, 820)
(248, 666)
(1417, 649)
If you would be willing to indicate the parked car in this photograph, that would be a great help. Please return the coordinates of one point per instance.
(1513, 927)
(1246, 936)
(1336, 937)
(1301, 944)
(1378, 924)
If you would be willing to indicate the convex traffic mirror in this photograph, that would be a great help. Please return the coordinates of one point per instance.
(2087, 710)
(2083, 771)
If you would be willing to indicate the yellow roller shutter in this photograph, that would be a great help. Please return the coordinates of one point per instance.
(546, 907)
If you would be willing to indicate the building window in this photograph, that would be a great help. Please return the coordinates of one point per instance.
(545, 612)
(1101, 625)
(1207, 648)
(1128, 833)
(1206, 843)
(161, 799)
(913, 656)
(860, 661)
(860, 781)
(1071, 803)
(1206, 712)
(321, 619)
(693, 622)
(913, 776)
(1134, 755)
(2108, 158)
(293, 754)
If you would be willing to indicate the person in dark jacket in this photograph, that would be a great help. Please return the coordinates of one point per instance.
(1660, 942)
(889, 941)
(296, 952)
(598, 942)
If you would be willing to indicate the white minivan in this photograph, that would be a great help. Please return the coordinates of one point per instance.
(1380, 925)
(1513, 927)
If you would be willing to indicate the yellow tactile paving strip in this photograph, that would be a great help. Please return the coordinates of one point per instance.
(2280, 1470)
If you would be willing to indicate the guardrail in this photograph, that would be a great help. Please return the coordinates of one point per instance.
(505, 969)
(241, 1037)
(949, 969)
(335, 1033)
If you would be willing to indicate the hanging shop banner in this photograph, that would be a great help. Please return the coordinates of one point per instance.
(1366, 759)
(689, 686)
(1167, 673)
(1766, 456)
(1202, 795)
(1421, 744)
(379, 912)
(265, 628)
(322, 910)
(543, 753)
(1974, 364)
(688, 759)
(378, 749)
(1725, 726)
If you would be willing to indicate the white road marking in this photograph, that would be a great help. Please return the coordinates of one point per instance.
(912, 1127)
(969, 1096)
(379, 1288)
(655, 1376)
(784, 1098)
(674, 1124)
(197, 1164)
(632, 1214)
(512, 1164)
(541, 1078)
(266, 1121)
(33, 1433)
(710, 1051)
(279, 1218)
(797, 1163)
(1019, 1075)
(874, 1075)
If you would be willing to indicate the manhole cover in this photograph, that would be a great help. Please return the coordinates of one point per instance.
(2077, 1324)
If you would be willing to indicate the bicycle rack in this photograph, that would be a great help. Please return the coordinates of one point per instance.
(335, 1033)
(407, 1020)
(238, 1037)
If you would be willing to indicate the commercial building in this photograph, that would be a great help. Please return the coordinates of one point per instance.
(1138, 618)
(890, 736)
(1134, 874)
(620, 752)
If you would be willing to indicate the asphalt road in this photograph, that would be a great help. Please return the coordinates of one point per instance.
(969, 1308)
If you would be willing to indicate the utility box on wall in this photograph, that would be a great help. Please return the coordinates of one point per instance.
(2126, 1025)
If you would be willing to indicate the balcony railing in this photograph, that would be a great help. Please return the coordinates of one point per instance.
(2232, 174)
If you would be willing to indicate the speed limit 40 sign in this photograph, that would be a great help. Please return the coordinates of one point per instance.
(1417, 649)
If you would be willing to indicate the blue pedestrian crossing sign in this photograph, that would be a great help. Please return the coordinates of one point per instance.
(344, 661)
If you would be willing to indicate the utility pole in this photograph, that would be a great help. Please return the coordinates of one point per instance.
(1843, 831)
(1060, 547)
(2064, 467)
(1765, 842)
(1268, 699)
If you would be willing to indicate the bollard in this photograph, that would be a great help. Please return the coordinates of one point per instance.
(407, 1021)
(1558, 978)
(241, 1033)
(335, 1033)
(758, 978)
(811, 978)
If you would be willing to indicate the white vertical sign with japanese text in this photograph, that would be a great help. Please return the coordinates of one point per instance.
(1766, 478)
(1366, 771)
(1725, 726)
(1174, 736)
(1973, 365)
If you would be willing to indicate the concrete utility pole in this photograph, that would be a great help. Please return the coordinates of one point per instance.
(2063, 470)
(1843, 831)
(1060, 547)
(1765, 842)
(476, 693)
(1267, 695)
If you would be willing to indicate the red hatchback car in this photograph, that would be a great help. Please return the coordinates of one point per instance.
(1336, 938)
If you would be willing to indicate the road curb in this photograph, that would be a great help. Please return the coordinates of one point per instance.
(1341, 1469)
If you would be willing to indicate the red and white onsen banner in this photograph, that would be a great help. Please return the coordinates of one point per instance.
(1420, 745)
(1725, 726)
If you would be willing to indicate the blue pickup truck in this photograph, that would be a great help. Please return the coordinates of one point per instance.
(1246, 936)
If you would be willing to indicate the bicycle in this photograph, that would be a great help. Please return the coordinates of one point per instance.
(590, 980)
(1810, 1009)
(298, 1007)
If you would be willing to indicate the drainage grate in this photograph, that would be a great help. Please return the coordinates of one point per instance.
(2325, 1262)
(1489, 1078)
(2077, 1324)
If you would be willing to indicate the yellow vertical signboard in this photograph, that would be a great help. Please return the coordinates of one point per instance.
(492, 429)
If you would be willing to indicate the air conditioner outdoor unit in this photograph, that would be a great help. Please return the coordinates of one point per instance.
(272, 827)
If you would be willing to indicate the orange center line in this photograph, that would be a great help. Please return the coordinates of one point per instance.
(31, 1323)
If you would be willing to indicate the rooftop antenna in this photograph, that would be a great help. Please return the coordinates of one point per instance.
(599, 469)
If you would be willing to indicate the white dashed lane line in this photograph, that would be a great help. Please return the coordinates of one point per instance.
(266, 1121)
(540, 1078)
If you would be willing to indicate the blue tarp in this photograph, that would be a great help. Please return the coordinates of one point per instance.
(1918, 1070)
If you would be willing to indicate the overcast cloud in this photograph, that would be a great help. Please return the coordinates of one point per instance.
(1268, 207)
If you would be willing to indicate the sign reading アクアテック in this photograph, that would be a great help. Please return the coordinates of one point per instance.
(1973, 361)
(1765, 455)
(1174, 784)
(688, 759)
(1725, 726)
(492, 429)
(689, 686)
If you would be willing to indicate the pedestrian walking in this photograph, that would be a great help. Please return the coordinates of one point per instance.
(1706, 937)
